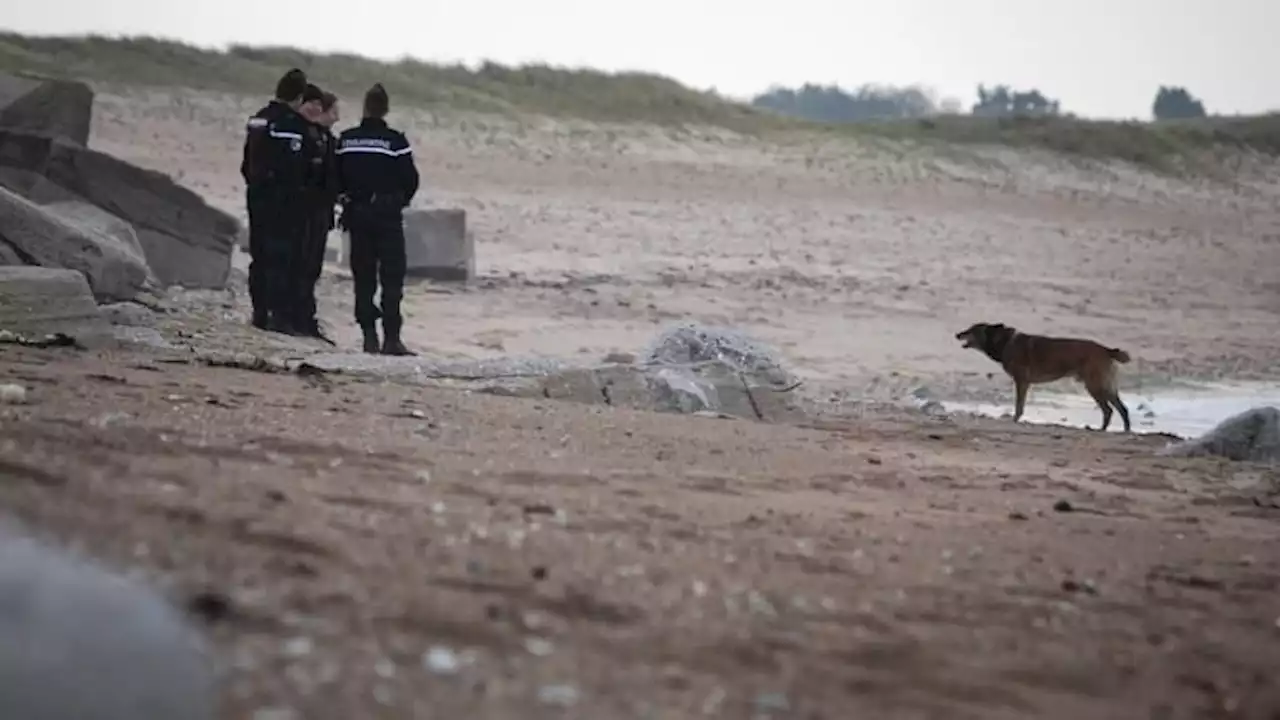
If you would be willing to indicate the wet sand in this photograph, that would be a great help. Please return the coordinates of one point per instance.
(1188, 410)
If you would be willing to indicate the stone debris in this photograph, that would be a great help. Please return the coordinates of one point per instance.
(185, 241)
(38, 301)
(129, 314)
(1251, 435)
(76, 236)
(693, 344)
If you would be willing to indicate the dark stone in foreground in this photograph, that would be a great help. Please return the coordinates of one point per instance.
(81, 643)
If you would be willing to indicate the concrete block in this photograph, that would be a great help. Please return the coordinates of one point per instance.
(76, 236)
(38, 301)
(185, 240)
(58, 108)
(437, 245)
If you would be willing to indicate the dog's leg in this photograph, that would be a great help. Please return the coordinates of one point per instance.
(1020, 388)
(1124, 411)
(1105, 391)
(1102, 396)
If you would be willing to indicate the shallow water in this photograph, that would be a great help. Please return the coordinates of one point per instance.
(1184, 411)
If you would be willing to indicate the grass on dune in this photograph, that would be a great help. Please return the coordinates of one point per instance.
(600, 96)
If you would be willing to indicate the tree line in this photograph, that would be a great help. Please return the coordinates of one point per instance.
(832, 104)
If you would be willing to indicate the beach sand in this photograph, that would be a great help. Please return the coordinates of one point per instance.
(381, 549)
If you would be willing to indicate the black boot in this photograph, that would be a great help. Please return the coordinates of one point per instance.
(278, 323)
(370, 338)
(391, 344)
(312, 329)
(261, 318)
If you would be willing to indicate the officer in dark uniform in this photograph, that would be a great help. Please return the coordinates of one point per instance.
(320, 109)
(260, 167)
(378, 179)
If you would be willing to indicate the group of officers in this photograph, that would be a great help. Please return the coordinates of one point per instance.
(296, 173)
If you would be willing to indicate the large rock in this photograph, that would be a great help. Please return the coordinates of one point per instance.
(58, 108)
(36, 301)
(693, 343)
(1251, 435)
(437, 245)
(10, 256)
(106, 227)
(706, 387)
(75, 236)
(35, 187)
(186, 241)
(81, 643)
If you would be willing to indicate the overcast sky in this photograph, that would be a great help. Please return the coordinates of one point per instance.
(1099, 57)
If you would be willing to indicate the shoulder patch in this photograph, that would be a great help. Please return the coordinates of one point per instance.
(257, 123)
(370, 145)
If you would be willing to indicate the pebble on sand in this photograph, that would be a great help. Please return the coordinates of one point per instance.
(441, 660)
(562, 695)
(11, 394)
(538, 647)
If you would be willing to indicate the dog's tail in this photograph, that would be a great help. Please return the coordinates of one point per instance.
(1118, 355)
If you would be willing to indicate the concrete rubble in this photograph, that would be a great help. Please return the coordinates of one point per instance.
(37, 301)
(1253, 435)
(186, 241)
(730, 375)
(92, 212)
(78, 237)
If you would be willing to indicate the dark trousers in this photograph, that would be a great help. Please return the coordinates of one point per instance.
(276, 229)
(259, 210)
(310, 262)
(377, 258)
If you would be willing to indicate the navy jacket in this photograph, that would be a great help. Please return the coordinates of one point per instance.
(276, 154)
(375, 167)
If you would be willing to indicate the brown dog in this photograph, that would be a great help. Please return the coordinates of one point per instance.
(1034, 359)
